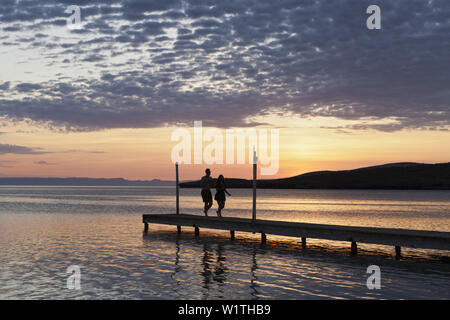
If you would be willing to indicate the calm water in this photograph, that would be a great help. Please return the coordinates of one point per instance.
(44, 230)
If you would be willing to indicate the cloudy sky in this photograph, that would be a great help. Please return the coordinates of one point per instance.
(102, 100)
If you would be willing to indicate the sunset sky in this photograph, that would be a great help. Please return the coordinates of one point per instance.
(104, 100)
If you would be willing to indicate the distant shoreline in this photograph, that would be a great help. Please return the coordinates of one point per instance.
(395, 176)
(83, 182)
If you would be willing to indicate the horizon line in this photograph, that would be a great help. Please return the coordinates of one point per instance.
(157, 179)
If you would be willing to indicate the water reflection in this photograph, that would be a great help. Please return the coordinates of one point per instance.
(220, 271)
(254, 278)
(206, 273)
(177, 263)
(39, 239)
(214, 271)
(213, 267)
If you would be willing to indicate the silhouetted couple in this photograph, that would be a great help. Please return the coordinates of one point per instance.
(207, 183)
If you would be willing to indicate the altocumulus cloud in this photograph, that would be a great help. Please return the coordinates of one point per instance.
(155, 63)
(44, 163)
(14, 149)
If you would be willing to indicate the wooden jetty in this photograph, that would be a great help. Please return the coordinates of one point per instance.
(385, 236)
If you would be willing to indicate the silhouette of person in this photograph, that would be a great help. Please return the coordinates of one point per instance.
(206, 184)
(221, 189)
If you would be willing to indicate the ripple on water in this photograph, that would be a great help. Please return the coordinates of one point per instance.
(40, 239)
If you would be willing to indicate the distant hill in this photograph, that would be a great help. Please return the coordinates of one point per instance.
(82, 182)
(405, 175)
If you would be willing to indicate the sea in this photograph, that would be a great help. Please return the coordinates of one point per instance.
(88, 243)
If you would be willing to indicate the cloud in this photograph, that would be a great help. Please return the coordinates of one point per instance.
(27, 131)
(14, 149)
(27, 87)
(6, 163)
(45, 163)
(156, 63)
(81, 151)
(4, 86)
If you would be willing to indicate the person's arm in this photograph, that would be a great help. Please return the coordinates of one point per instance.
(227, 192)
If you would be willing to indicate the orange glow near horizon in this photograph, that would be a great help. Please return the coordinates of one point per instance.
(145, 154)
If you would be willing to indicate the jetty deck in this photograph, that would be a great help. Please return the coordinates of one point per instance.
(384, 236)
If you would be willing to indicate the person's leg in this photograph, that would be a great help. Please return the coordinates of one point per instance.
(218, 208)
(207, 199)
(209, 202)
(221, 206)
(206, 208)
(208, 205)
(205, 203)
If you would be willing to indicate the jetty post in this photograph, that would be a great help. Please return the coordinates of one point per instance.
(255, 161)
(255, 170)
(177, 181)
(177, 188)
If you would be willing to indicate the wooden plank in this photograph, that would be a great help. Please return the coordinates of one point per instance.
(386, 236)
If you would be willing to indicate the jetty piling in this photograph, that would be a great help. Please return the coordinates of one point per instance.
(197, 232)
(398, 252)
(354, 248)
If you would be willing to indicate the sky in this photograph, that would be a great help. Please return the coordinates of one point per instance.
(103, 100)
